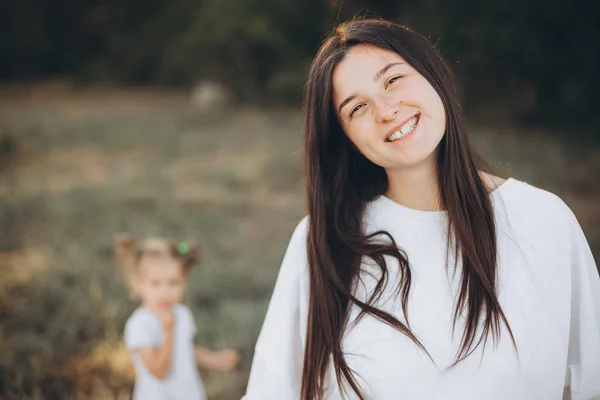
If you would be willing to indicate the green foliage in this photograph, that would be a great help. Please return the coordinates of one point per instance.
(527, 62)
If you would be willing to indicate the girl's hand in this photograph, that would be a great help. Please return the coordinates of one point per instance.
(167, 319)
(227, 360)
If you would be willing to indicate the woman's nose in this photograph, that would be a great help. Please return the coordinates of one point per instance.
(387, 110)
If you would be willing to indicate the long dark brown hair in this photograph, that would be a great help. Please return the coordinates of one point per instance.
(341, 182)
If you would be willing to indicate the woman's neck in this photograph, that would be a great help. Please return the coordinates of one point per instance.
(415, 188)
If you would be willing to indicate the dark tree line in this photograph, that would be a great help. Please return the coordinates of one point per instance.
(534, 59)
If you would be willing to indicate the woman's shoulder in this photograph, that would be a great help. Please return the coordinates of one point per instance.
(299, 235)
(295, 259)
(531, 203)
(492, 182)
(301, 228)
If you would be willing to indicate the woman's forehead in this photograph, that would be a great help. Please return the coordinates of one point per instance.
(361, 65)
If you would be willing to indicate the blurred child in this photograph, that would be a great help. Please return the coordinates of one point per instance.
(159, 334)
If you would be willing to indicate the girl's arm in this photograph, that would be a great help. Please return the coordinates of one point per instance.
(158, 360)
(224, 360)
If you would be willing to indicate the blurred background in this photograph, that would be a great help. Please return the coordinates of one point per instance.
(182, 119)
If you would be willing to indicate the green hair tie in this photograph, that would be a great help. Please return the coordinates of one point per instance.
(183, 248)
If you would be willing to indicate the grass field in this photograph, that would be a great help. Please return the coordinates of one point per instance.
(94, 163)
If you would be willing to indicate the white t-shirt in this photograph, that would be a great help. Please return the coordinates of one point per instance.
(548, 287)
(143, 329)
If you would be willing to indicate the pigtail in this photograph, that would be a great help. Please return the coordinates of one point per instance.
(126, 257)
(125, 250)
(189, 254)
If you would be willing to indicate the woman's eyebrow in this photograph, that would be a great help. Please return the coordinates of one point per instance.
(384, 70)
(377, 76)
(348, 100)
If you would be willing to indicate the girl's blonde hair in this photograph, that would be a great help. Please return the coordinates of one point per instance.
(130, 251)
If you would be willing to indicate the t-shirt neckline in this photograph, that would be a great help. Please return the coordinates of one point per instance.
(436, 215)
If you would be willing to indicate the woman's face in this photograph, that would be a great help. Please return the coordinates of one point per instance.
(388, 110)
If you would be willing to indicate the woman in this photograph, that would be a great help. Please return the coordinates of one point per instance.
(415, 274)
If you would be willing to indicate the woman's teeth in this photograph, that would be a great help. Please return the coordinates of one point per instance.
(405, 130)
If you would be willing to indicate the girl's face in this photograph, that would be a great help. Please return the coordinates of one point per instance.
(161, 282)
(387, 109)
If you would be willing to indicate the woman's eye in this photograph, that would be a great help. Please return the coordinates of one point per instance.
(355, 109)
(392, 80)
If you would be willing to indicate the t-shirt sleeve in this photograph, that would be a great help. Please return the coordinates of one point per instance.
(142, 330)
(277, 366)
(583, 362)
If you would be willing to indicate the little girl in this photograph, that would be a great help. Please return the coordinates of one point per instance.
(159, 334)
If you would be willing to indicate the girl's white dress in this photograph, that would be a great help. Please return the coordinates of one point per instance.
(143, 329)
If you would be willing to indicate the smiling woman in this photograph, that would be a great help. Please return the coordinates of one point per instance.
(393, 115)
(416, 274)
